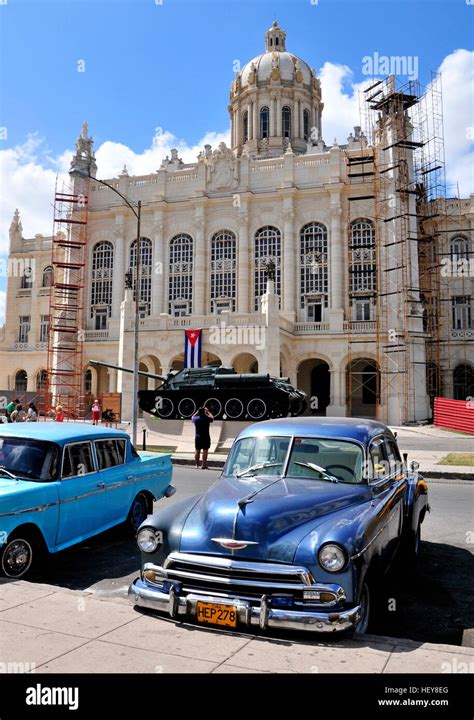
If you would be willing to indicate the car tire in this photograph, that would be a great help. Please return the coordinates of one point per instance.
(19, 555)
(365, 603)
(138, 513)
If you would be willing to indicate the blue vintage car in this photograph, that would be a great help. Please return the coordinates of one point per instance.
(306, 517)
(63, 483)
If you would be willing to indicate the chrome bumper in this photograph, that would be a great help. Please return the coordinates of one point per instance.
(263, 616)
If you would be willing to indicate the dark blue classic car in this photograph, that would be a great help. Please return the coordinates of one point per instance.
(306, 517)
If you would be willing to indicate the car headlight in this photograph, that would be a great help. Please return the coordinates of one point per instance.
(332, 558)
(149, 539)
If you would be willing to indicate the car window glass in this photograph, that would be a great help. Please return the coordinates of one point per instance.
(77, 460)
(378, 460)
(338, 458)
(393, 455)
(108, 453)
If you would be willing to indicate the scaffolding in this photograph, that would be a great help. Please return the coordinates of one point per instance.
(405, 187)
(64, 384)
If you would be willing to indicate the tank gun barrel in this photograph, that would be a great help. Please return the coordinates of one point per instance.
(128, 370)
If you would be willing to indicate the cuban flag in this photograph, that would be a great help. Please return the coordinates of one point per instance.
(192, 348)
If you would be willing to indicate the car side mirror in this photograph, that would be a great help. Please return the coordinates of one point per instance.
(414, 465)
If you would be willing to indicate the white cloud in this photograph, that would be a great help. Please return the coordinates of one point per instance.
(341, 107)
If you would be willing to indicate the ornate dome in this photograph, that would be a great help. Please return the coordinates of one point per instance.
(275, 102)
(276, 63)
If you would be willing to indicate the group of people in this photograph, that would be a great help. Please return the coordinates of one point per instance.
(15, 412)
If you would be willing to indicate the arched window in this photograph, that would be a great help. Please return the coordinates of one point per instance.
(181, 275)
(223, 266)
(101, 277)
(362, 269)
(41, 380)
(47, 280)
(146, 266)
(463, 382)
(245, 126)
(267, 247)
(459, 248)
(264, 122)
(21, 381)
(306, 124)
(314, 270)
(286, 121)
(27, 278)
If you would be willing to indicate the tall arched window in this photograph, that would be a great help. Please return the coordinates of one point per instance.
(459, 248)
(27, 279)
(306, 130)
(463, 382)
(47, 280)
(362, 269)
(223, 266)
(314, 270)
(264, 122)
(101, 280)
(181, 275)
(88, 382)
(146, 267)
(21, 381)
(41, 380)
(245, 126)
(267, 247)
(286, 121)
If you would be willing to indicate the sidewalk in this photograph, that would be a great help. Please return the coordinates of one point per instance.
(54, 630)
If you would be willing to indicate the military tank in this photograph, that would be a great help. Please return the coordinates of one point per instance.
(227, 394)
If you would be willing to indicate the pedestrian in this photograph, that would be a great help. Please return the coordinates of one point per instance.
(96, 412)
(18, 415)
(59, 414)
(202, 419)
(32, 413)
(11, 407)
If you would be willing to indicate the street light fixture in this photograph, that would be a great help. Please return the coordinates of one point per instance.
(136, 208)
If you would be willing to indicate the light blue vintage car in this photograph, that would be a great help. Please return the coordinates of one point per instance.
(63, 483)
(296, 534)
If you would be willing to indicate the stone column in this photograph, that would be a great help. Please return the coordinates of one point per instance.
(255, 126)
(237, 128)
(273, 117)
(112, 373)
(271, 344)
(249, 121)
(337, 406)
(125, 359)
(243, 264)
(118, 280)
(336, 275)
(288, 266)
(278, 118)
(158, 270)
(199, 266)
(296, 113)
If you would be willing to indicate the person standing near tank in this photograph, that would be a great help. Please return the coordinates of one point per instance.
(202, 420)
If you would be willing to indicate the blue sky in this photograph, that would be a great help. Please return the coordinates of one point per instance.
(169, 65)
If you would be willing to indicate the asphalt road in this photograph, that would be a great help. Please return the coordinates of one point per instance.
(431, 604)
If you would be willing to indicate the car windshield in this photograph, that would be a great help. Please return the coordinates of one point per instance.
(30, 459)
(312, 458)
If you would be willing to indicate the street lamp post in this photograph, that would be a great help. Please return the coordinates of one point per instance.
(137, 212)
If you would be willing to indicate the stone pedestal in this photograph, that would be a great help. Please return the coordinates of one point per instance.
(271, 349)
(125, 356)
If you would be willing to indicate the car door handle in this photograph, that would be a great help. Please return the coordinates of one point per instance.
(130, 477)
(101, 484)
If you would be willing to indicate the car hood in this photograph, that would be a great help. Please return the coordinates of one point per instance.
(8, 486)
(276, 519)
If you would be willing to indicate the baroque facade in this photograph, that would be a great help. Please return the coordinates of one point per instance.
(208, 230)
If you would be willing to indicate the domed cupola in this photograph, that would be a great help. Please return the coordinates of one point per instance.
(275, 100)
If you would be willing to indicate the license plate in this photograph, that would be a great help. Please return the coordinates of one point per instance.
(216, 614)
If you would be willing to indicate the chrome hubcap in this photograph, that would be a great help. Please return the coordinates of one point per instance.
(17, 558)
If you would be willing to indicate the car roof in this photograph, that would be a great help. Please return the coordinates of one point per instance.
(59, 432)
(359, 429)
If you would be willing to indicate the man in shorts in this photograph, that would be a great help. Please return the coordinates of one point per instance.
(202, 419)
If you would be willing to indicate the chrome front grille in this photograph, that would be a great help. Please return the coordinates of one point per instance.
(228, 577)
